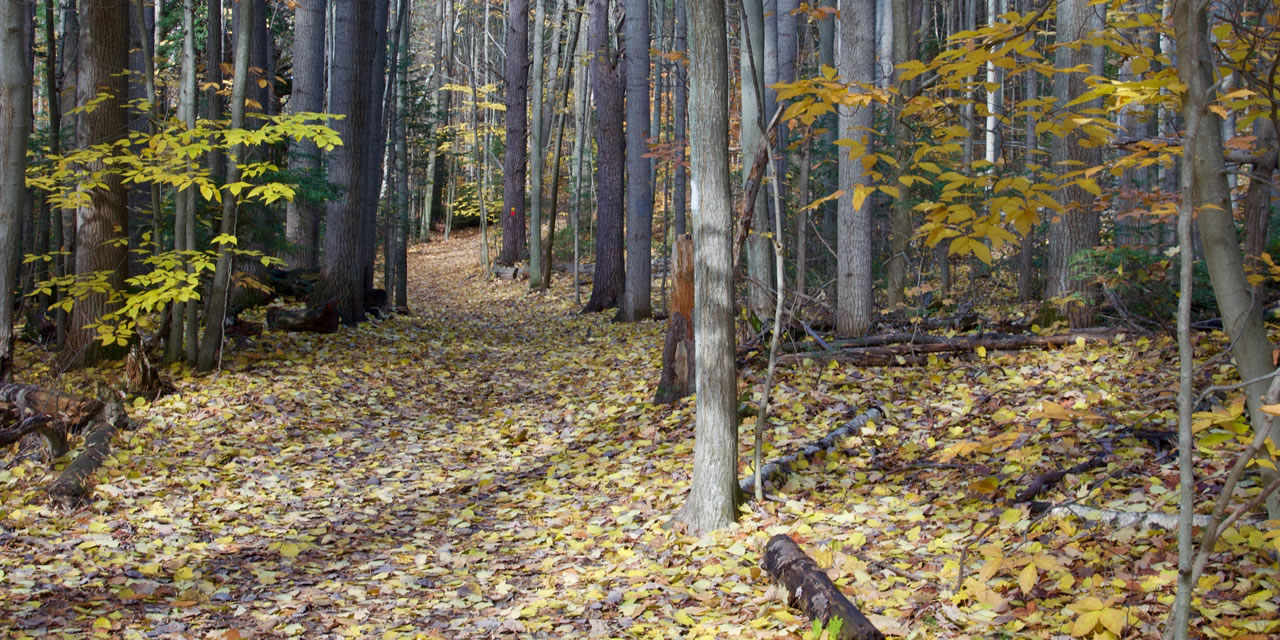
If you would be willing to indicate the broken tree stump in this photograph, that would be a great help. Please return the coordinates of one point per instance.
(810, 590)
(323, 319)
(677, 354)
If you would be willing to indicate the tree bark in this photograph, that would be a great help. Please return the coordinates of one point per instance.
(713, 496)
(755, 69)
(537, 145)
(104, 56)
(809, 589)
(678, 352)
(302, 215)
(1239, 309)
(1076, 227)
(853, 255)
(607, 81)
(638, 287)
(211, 342)
(515, 158)
(15, 121)
(679, 115)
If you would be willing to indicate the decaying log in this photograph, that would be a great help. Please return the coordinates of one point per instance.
(782, 466)
(324, 319)
(57, 415)
(75, 482)
(915, 354)
(677, 354)
(293, 283)
(37, 426)
(810, 590)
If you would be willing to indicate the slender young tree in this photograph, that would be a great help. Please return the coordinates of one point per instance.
(753, 63)
(607, 86)
(853, 254)
(302, 217)
(401, 257)
(104, 56)
(211, 342)
(185, 200)
(713, 492)
(15, 121)
(638, 287)
(537, 145)
(516, 156)
(679, 114)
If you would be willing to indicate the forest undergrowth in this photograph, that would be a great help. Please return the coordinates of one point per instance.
(490, 465)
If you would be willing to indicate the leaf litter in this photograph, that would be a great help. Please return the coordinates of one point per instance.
(491, 466)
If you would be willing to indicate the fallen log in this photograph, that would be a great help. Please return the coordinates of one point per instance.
(75, 482)
(323, 319)
(1048, 479)
(810, 590)
(782, 466)
(913, 354)
(76, 411)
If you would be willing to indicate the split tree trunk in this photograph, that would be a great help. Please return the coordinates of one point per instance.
(678, 354)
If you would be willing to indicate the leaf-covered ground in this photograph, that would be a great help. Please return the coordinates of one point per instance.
(490, 466)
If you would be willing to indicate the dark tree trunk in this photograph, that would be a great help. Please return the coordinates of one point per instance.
(302, 223)
(15, 114)
(810, 590)
(104, 56)
(680, 116)
(514, 162)
(607, 86)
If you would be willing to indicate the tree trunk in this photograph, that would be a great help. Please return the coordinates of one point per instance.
(15, 121)
(853, 256)
(753, 65)
(607, 86)
(211, 343)
(678, 352)
(302, 216)
(537, 145)
(713, 495)
(184, 200)
(638, 289)
(213, 81)
(809, 589)
(1240, 310)
(104, 56)
(401, 256)
(900, 227)
(513, 165)
(679, 116)
(1074, 229)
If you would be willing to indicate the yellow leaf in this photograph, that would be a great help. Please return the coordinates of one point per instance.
(860, 194)
(1113, 620)
(1028, 578)
(184, 573)
(102, 624)
(290, 550)
(1084, 624)
(684, 618)
(1273, 409)
(982, 351)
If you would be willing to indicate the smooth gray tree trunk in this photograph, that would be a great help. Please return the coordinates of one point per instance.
(713, 493)
(637, 290)
(537, 147)
(854, 296)
(211, 342)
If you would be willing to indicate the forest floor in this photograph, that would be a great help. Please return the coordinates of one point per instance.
(491, 466)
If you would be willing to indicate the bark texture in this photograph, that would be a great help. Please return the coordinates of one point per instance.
(514, 161)
(15, 122)
(809, 589)
(104, 56)
(607, 87)
(637, 292)
(713, 493)
(302, 218)
(853, 253)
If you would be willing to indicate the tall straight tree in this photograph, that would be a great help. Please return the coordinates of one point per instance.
(516, 156)
(713, 492)
(679, 113)
(637, 291)
(342, 264)
(537, 144)
(752, 67)
(15, 121)
(302, 217)
(184, 313)
(607, 86)
(853, 254)
(104, 219)
(213, 78)
(401, 75)
(1076, 228)
(211, 342)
